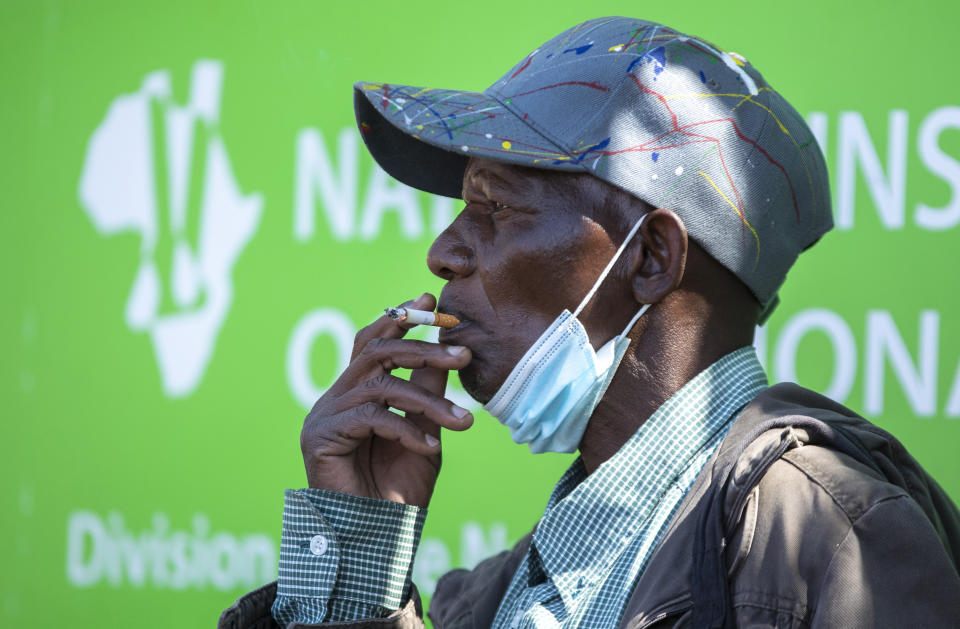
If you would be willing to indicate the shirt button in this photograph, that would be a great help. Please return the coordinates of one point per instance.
(318, 544)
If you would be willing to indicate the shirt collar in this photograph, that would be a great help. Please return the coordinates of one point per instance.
(589, 520)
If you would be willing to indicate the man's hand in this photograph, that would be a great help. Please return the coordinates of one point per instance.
(353, 443)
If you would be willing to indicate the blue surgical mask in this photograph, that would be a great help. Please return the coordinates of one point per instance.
(548, 398)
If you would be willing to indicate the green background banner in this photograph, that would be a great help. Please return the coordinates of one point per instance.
(193, 232)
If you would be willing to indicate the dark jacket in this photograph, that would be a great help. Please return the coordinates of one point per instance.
(815, 517)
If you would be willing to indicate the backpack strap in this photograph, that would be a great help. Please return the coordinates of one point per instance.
(712, 607)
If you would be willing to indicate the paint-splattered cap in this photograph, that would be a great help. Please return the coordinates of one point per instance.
(665, 116)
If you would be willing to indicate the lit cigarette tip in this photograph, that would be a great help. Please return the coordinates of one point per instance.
(422, 317)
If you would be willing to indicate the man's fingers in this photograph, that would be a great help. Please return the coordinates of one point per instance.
(367, 420)
(432, 409)
(434, 381)
(431, 379)
(383, 355)
(385, 327)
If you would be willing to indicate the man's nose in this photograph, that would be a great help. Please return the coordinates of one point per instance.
(450, 257)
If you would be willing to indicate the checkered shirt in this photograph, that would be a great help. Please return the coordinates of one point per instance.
(344, 557)
(591, 545)
(598, 531)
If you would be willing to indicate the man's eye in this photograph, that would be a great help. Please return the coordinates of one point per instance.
(497, 206)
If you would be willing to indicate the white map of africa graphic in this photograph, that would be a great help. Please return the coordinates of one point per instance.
(119, 191)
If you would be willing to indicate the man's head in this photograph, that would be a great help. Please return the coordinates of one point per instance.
(610, 119)
(666, 117)
(530, 243)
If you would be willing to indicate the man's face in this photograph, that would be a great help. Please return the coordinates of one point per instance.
(528, 244)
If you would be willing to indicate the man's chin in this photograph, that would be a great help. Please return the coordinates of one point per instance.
(476, 385)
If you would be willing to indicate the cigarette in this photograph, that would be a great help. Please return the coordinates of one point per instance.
(422, 317)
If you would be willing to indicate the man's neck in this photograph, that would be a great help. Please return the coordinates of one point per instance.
(658, 364)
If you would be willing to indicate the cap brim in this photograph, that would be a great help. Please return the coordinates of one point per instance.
(423, 137)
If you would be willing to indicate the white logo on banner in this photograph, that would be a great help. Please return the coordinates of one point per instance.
(161, 170)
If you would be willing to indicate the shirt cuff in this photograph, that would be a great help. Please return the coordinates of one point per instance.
(344, 557)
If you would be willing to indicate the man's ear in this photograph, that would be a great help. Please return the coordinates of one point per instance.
(658, 256)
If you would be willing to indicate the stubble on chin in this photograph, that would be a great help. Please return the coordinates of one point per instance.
(481, 380)
(474, 383)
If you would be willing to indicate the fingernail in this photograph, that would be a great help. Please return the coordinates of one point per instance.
(432, 441)
(456, 350)
(458, 412)
(422, 297)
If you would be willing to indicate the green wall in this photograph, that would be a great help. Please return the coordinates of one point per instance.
(192, 232)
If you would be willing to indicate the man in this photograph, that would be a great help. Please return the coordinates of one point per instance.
(634, 200)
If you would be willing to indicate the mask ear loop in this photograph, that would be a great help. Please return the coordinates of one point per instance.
(640, 312)
(606, 271)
